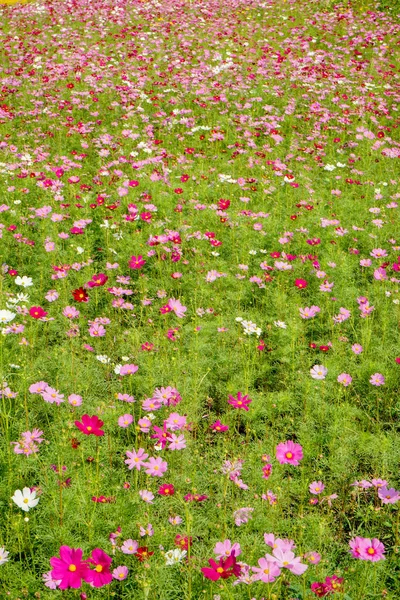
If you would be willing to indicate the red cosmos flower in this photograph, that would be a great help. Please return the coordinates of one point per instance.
(136, 262)
(319, 589)
(324, 348)
(143, 553)
(80, 295)
(183, 542)
(165, 309)
(184, 178)
(13, 272)
(261, 346)
(397, 360)
(301, 283)
(76, 230)
(147, 347)
(195, 498)
(226, 567)
(240, 402)
(166, 489)
(146, 216)
(90, 425)
(37, 312)
(224, 204)
(97, 280)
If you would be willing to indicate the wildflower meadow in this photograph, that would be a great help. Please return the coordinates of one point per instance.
(199, 300)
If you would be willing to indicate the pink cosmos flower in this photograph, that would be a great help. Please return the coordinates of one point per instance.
(289, 453)
(372, 550)
(128, 369)
(357, 348)
(313, 558)
(135, 459)
(49, 582)
(345, 379)
(156, 467)
(317, 487)
(69, 569)
(241, 401)
(125, 420)
(388, 496)
(218, 426)
(225, 548)
(100, 575)
(274, 542)
(177, 442)
(136, 262)
(176, 422)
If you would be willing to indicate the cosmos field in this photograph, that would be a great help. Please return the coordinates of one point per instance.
(199, 300)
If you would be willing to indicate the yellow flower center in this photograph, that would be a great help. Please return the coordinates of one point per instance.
(371, 551)
(26, 500)
(99, 568)
(72, 568)
(266, 571)
(220, 570)
(289, 455)
(89, 428)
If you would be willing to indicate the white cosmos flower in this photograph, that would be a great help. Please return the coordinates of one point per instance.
(172, 557)
(24, 281)
(6, 316)
(318, 372)
(280, 324)
(3, 556)
(25, 499)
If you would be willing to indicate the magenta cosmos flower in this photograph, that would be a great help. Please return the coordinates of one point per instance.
(69, 568)
(241, 401)
(90, 425)
(100, 575)
(289, 453)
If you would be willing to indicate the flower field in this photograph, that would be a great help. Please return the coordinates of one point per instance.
(199, 300)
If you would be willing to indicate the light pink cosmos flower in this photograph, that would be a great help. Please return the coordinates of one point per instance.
(268, 569)
(287, 560)
(129, 546)
(39, 387)
(135, 459)
(177, 442)
(146, 496)
(289, 453)
(313, 557)
(120, 573)
(177, 307)
(225, 548)
(75, 399)
(309, 312)
(357, 348)
(156, 467)
(176, 422)
(377, 379)
(274, 542)
(242, 515)
(51, 395)
(146, 530)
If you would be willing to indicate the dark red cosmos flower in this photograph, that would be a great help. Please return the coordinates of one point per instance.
(80, 295)
(97, 280)
(143, 553)
(301, 283)
(224, 204)
(319, 589)
(37, 312)
(324, 348)
(166, 489)
(224, 568)
(90, 425)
